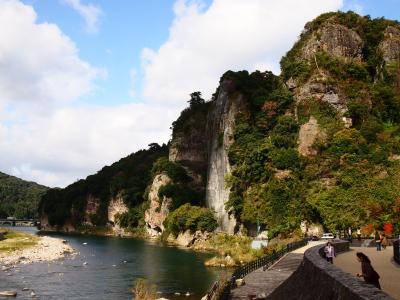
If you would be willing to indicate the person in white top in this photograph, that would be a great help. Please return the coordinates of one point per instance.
(359, 234)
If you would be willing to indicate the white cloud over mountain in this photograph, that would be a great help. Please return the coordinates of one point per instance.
(47, 137)
(228, 35)
(73, 142)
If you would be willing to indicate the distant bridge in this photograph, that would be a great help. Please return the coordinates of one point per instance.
(19, 222)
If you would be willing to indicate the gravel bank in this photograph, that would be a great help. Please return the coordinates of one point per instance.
(47, 249)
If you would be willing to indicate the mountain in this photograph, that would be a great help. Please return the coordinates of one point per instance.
(317, 146)
(19, 198)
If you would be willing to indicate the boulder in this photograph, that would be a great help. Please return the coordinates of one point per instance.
(8, 294)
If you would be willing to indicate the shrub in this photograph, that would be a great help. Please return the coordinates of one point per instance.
(144, 290)
(284, 134)
(191, 218)
(175, 171)
(347, 141)
(180, 194)
(130, 218)
(285, 158)
(388, 229)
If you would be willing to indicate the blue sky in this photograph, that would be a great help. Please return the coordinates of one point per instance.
(127, 26)
(124, 29)
(87, 82)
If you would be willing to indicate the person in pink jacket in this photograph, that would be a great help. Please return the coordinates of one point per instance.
(329, 252)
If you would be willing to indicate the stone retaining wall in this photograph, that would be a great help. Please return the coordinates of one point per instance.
(317, 279)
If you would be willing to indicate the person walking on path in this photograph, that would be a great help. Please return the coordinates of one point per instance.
(384, 241)
(378, 241)
(350, 235)
(359, 234)
(367, 271)
(329, 252)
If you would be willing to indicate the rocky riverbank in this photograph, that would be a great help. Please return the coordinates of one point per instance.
(46, 249)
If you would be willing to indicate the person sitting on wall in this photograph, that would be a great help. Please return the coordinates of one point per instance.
(368, 273)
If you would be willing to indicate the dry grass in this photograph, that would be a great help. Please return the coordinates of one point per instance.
(144, 290)
(15, 240)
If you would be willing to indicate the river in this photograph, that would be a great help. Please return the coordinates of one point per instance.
(106, 268)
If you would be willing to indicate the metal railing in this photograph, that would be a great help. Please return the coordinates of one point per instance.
(263, 262)
(396, 251)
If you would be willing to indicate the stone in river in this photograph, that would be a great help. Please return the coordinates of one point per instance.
(8, 293)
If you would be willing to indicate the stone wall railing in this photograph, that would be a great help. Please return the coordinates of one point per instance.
(317, 279)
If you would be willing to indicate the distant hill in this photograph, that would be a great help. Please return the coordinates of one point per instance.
(19, 198)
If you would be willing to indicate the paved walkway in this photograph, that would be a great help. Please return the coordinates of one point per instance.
(383, 263)
(261, 282)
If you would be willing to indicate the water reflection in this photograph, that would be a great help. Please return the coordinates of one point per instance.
(106, 268)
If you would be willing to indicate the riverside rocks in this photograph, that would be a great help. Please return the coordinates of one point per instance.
(8, 294)
(47, 249)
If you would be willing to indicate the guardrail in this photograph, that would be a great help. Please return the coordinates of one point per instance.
(396, 251)
(264, 262)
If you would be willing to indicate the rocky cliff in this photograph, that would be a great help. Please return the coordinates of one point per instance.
(158, 211)
(221, 126)
(315, 145)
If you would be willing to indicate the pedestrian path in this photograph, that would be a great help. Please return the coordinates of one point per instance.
(383, 263)
(262, 283)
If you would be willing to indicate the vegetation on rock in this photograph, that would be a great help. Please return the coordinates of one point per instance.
(128, 177)
(191, 218)
(357, 161)
(343, 76)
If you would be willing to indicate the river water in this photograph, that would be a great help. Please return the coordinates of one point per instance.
(106, 268)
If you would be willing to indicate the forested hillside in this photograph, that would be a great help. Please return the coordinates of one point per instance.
(318, 144)
(127, 179)
(322, 141)
(19, 198)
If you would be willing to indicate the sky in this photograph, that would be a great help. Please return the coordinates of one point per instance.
(84, 83)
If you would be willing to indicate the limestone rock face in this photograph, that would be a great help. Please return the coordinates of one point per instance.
(116, 206)
(282, 174)
(187, 239)
(390, 46)
(158, 212)
(92, 208)
(310, 229)
(45, 225)
(220, 134)
(340, 41)
(318, 88)
(309, 133)
(336, 40)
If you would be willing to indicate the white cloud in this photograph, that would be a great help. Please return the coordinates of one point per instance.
(203, 43)
(89, 12)
(38, 63)
(41, 66)
(76, 141)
